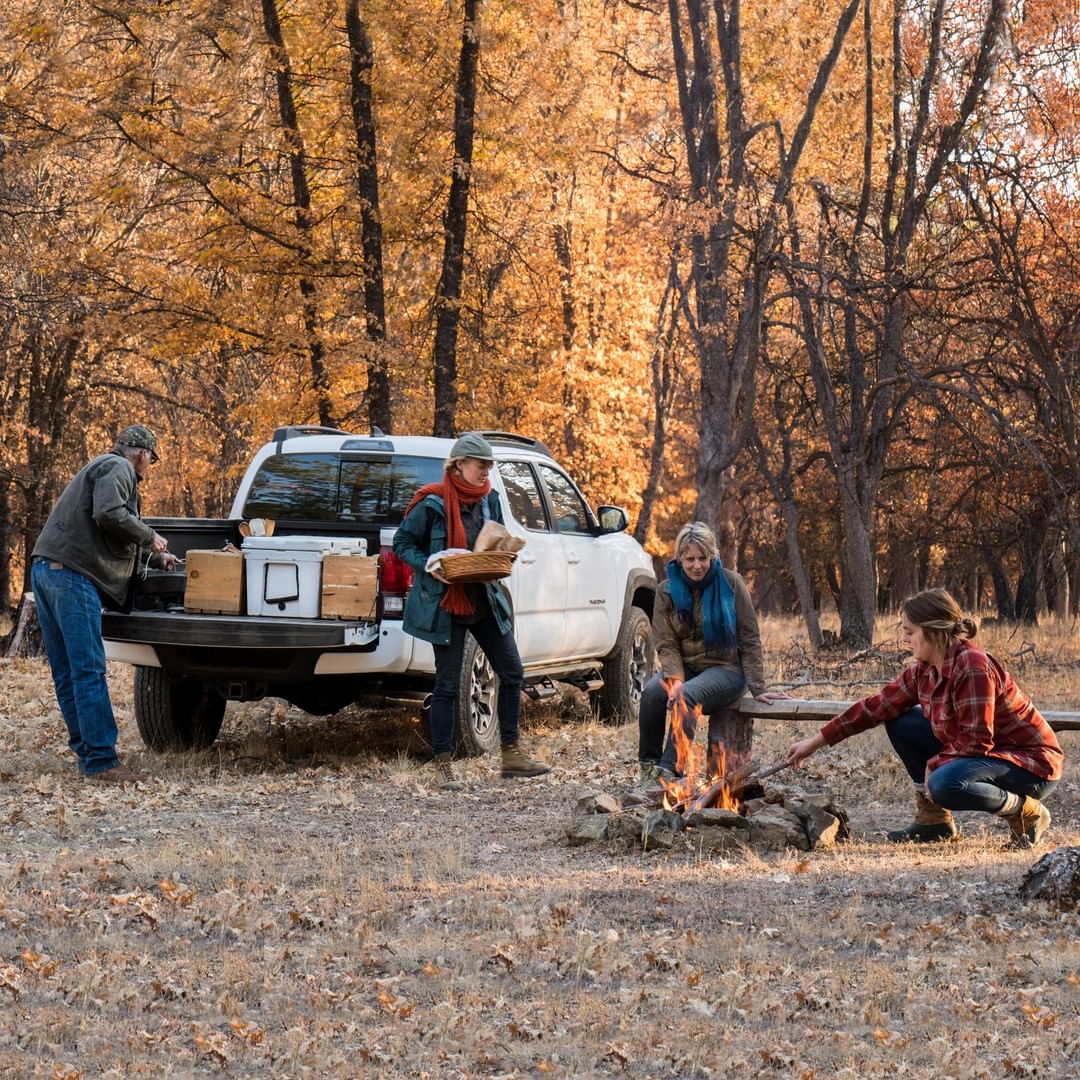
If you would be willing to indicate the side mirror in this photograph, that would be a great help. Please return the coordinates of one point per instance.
(613, 519)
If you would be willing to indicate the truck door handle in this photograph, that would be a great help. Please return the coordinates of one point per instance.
(573, 560)
(527, 559)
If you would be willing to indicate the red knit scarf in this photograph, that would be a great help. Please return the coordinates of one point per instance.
(454, 493)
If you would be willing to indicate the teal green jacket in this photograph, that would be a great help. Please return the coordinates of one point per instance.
(419, 536)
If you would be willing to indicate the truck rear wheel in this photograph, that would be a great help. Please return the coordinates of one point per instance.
(476, 718)
(176, 713)
(627, 668)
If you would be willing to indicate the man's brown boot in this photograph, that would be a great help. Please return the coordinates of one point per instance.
(932, 823)
(516, 763)
(1028, 823)
(118, 774)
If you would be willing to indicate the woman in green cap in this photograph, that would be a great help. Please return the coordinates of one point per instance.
(446, 515)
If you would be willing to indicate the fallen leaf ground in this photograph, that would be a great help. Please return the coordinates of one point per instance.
(301, 902)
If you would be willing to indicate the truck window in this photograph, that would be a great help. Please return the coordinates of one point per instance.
(300, 487)
(377, 491)
(329, 487)
(523, 495)
(571, 513)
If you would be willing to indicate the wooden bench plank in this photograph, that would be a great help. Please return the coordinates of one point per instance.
(821, 711)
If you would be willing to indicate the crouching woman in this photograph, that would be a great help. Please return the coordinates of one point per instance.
(447, 515)
(969, 738)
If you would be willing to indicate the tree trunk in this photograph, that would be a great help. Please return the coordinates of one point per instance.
(1057, 577)
(380, 411)
(663, 387)
(1027, 585)
(448, 292)
(1003, 599)
(25, 639)
(298, 170)
(729, 303)
(6, 543)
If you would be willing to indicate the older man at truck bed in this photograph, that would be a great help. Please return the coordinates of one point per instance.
(86, 555)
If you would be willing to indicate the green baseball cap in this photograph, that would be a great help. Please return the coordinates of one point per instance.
(472, 444)
(140, 437)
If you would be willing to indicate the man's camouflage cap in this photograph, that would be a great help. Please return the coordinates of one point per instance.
(140, 437)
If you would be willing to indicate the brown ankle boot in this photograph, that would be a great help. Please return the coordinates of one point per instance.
(445, 776)
(931, 823)
(1028, 824)
(516, 763)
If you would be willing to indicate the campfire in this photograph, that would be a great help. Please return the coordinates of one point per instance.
(714, 803)
(703, 777)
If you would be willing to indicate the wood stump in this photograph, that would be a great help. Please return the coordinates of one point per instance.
(25, 639)
(737, 734)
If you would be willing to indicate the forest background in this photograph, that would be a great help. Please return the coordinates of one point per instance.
(808, 269)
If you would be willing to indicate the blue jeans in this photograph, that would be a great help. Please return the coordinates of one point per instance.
(977, 783)
(502, 653)
(712, 689)
(69, 612)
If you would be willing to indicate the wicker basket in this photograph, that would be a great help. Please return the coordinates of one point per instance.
(477, 566)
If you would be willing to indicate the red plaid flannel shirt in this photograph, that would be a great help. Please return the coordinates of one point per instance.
(974, 708)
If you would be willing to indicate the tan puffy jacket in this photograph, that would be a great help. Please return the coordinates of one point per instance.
(681, 645)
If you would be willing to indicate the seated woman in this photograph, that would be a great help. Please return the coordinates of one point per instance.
(709, 647)
(969, 738)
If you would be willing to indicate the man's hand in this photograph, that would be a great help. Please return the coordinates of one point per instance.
(772, 695)
(168, 560)
(159, 543)
(437, 575)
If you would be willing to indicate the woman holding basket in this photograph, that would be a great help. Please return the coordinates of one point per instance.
(450, 515)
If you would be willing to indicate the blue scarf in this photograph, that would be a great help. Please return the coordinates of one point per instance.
(717, 604)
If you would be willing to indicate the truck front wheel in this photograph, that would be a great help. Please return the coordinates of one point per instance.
(176, 713)
(627, 669)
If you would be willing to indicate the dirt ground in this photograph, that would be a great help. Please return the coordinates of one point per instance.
(300, 901)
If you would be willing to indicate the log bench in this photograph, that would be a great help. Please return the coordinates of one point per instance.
(821, 711)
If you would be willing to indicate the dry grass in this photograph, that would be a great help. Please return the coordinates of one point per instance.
(299, 902)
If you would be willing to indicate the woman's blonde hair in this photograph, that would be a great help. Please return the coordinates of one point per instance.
(700, 535)
(939, 617)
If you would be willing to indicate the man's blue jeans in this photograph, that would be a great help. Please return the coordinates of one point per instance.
(712, 689)
(502, 653)
(976, 783)
(69, 612)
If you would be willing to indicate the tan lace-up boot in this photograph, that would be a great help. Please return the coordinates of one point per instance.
(648, 783)
(516, 763)
(930, 824)
(1028, 823)
(445, 776)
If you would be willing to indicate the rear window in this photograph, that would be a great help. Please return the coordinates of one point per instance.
(371, 489)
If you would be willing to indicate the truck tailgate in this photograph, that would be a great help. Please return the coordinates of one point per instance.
(236, 631)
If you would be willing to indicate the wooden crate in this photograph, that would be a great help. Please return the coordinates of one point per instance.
(350, 585)
(215, 582)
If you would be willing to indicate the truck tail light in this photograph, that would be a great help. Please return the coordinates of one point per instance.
(395, 580)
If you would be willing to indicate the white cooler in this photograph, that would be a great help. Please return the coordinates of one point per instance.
(284, 573)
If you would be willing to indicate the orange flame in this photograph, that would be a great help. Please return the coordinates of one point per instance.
(700, 772)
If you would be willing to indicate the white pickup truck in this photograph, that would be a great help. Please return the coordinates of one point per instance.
(582, 593)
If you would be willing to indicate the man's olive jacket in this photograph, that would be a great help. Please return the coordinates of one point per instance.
(95, 528)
